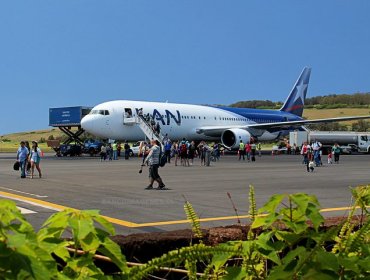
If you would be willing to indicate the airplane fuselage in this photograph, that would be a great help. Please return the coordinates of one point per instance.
(107, 120)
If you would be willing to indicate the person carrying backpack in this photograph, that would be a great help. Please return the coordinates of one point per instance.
(184, 153)
(153, 159)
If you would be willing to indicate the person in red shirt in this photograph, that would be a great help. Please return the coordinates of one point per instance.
(248, 149)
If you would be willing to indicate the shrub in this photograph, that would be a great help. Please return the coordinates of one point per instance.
(286, 240)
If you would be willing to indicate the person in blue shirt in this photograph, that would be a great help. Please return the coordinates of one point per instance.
(167, 150)
(22, 158)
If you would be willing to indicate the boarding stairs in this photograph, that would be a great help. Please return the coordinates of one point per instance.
(146, 127)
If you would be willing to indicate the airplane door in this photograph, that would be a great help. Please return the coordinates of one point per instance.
(128, 117)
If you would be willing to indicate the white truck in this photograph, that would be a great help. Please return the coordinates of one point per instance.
(329, 138)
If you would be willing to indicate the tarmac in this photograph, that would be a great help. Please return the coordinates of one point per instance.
(117, 189)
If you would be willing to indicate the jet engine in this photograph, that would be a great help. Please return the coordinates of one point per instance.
(231, 137)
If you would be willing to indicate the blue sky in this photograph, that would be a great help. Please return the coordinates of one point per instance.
(67, 53)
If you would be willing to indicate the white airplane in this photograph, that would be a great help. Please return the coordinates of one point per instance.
(200, 122)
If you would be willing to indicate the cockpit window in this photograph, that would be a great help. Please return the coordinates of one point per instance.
(100, 112)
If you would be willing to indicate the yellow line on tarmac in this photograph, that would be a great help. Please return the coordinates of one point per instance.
(129, 224)
(57, 207)
(120, 222)
(339, 209)
(176, 222)
(33, 201)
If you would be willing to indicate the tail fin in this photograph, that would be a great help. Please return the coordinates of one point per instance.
(295, 102)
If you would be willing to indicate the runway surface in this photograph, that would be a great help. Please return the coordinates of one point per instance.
(117, 189)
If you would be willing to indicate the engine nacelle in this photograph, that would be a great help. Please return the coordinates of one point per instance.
(231, 137)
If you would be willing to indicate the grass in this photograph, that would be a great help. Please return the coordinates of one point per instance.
(332, 113)
(10, 142)
(15, 138)
(11, 147)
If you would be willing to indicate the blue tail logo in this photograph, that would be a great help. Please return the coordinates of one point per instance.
(295, 102)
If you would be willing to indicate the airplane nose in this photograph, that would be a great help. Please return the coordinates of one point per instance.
(86, 123)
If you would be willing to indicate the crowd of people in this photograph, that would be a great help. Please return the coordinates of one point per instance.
(312, 155)
(183, 152)
(249, 149)
(112, 151)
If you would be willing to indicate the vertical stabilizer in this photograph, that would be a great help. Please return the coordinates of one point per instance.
(295, 102)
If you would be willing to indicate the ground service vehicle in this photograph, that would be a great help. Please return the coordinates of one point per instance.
(329, 138)
(92, 147)
(70, 150)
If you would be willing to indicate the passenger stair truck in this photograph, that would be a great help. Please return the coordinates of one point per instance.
(329, 138)
(145, 127)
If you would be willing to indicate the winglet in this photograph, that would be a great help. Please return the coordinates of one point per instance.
(295, 102)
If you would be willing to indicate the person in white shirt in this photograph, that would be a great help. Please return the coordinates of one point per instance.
(35, 157)
(153, 160)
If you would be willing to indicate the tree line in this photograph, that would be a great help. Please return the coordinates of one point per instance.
(331, 101)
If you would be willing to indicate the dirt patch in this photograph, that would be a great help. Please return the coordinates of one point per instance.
(142, 247)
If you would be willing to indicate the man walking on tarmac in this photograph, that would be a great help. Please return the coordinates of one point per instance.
(241, 150)
(153, 160)
(115, 151)
(259, 147)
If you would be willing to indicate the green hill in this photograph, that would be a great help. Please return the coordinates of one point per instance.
(332, 101)
(10, 142)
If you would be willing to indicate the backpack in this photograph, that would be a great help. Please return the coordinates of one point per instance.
(162, 159)
(304, 150)
(183, 148)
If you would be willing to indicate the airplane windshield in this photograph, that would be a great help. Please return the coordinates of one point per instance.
(100, 112)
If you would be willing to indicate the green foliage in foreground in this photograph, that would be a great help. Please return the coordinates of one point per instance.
(285, 241)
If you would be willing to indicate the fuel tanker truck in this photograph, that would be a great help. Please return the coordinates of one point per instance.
(359, 141)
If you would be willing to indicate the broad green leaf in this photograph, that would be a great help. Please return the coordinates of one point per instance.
(113, 251)
(259, 222)
(321, 275)
(301, 200)
(235, 273)
(272, 204)
(107, 226)
(327, 261)
(289, 237)
(280, 273)
(62, 253)
(59, 219)
(313, 213)
(350, 263)
(293, 255)
(90, 242)
(81, 226)
(265, 221)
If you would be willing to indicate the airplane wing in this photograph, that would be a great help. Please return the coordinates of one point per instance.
(216, 130)
(274, 126)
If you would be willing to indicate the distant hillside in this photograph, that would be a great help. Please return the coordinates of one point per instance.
(10, 142)
(332, 101)
(37, 135)
(349, 100)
